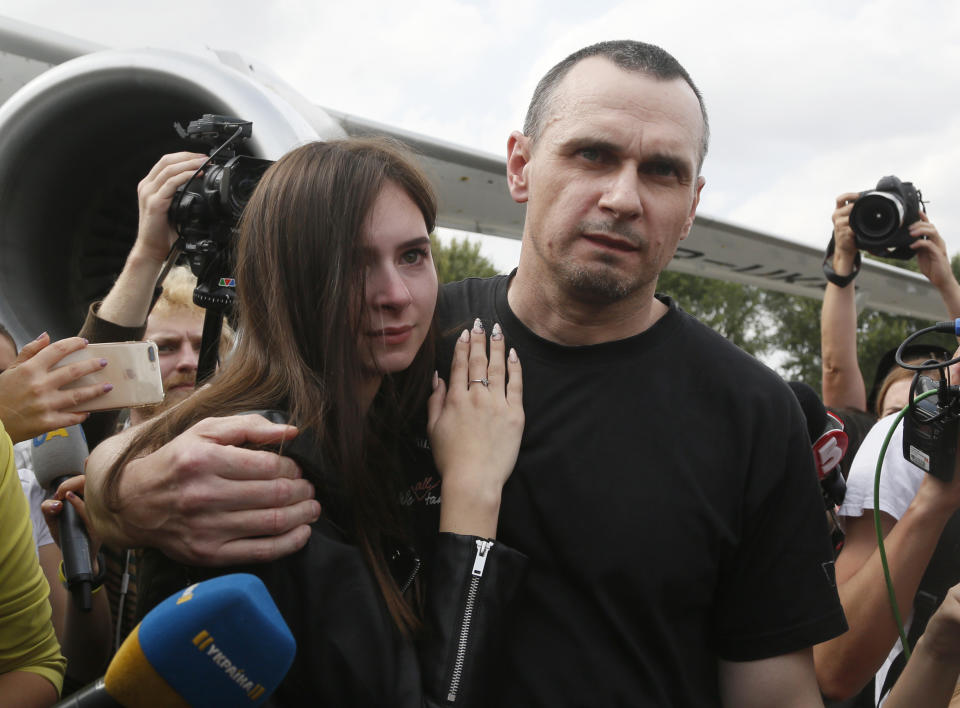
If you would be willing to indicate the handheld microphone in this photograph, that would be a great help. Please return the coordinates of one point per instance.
(829, 443)
(58, 455)
(221, 642)
(828, 439)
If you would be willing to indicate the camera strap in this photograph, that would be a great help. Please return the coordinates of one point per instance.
(841, 281)
(172, 257)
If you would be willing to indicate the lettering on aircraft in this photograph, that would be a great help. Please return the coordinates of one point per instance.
(793, 278)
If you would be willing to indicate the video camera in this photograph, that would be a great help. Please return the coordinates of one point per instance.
(881, 218)
(932, 420)
(206, 210)
(931, 426)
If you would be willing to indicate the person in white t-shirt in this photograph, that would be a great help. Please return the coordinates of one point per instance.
(914, 508)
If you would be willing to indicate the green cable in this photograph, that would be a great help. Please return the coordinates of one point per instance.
(876, 523)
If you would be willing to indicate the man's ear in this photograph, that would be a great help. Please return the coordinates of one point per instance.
(688, 224)
(518, 159)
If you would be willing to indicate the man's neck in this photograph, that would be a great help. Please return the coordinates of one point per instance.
(555, 315)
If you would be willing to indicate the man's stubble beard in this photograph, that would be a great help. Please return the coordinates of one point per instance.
(600, 281)
(597, 284)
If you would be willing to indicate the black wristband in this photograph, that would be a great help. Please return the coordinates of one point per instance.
(831, 275)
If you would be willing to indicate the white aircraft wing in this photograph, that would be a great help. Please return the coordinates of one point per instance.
(26, 51)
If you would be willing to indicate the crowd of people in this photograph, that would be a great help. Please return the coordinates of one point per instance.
(631, 517)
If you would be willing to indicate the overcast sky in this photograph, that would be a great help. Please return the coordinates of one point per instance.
(806, 99)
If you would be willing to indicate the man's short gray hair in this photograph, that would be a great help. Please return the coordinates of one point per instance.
(627, 54)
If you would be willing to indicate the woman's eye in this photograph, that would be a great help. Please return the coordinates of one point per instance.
(414, 256)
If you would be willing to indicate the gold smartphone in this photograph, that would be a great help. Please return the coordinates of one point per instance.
(132, 367)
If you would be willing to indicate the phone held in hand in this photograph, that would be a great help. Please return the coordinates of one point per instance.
(132, 367)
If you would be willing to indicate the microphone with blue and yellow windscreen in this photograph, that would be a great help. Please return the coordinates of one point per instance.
(221, 642)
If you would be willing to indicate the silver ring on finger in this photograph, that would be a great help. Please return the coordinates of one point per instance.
(484, 381)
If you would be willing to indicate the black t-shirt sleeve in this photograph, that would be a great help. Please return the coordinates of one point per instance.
(778, 592)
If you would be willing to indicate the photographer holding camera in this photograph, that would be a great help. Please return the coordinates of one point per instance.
(915, 507)
(843, 385)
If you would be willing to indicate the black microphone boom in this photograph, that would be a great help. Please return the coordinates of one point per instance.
(75, 548)
(57, 456)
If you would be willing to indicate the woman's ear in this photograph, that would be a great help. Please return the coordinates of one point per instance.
(518, 160)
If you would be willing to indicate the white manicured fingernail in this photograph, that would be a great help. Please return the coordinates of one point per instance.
(513, 355)
(497, 333)
(465, 335)
(478, 326)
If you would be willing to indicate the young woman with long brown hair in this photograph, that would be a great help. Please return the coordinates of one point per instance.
(336, 290)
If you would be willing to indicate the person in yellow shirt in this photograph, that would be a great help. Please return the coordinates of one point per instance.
(31, 666)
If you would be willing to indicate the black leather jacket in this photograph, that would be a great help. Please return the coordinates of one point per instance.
(349, 651)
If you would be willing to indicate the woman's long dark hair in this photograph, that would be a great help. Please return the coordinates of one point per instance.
(300, 288)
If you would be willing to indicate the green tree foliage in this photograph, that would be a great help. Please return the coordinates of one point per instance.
(795, 330)
(459, 259)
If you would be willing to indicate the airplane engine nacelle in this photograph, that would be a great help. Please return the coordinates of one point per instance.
(75, 142)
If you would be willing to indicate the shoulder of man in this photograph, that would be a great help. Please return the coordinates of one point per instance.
(700, 346)
(463, 300)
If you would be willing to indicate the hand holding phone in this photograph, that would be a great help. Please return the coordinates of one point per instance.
(31, 400)
(132, 368)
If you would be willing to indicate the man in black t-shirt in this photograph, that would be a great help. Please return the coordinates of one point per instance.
(665, 491)
(665, 495)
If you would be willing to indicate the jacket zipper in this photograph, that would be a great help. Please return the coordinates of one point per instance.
(483, 547)
(412, 576)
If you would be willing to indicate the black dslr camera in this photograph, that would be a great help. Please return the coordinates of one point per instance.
(206, 210)
(881, 218)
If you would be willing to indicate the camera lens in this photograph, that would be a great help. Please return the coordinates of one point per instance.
(240, 192)
(876, 215)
